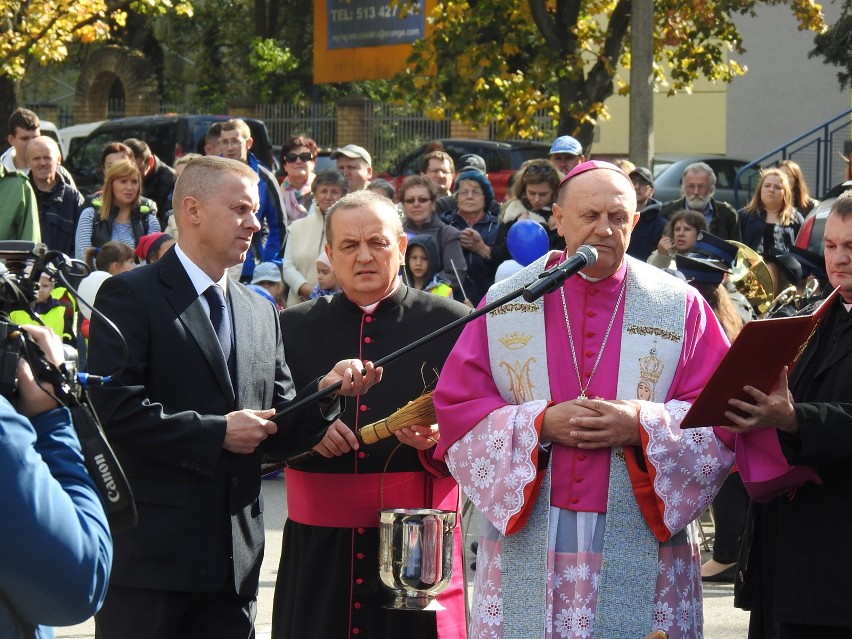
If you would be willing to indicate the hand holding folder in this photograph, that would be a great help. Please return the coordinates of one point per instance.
(757, 356)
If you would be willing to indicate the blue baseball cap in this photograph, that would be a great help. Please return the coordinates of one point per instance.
(566, 144)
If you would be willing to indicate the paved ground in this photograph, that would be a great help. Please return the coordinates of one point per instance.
(721, 619)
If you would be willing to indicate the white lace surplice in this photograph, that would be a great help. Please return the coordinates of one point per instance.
(494, 464)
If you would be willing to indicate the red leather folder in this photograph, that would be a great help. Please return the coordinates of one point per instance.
(756, 358)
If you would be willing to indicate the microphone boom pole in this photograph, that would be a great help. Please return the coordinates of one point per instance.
(547, 281)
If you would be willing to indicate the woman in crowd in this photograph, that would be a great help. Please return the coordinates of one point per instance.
(478, 227)
(418, 195)
(119, 213)
(298, 157)
(306, 236)
(802, 200)
(533, 193)
(678, 238)
(769, 221)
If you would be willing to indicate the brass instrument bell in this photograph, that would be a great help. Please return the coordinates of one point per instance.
(751, 277)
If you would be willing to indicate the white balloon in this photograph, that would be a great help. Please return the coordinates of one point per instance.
(88, 290)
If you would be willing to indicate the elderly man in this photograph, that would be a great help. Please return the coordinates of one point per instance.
(59, 203)
(697, 186)
(191, 448)
(799, 564)
(24, 125)
(566, 153)
(356, 164)
(559, 418)
(328, 581)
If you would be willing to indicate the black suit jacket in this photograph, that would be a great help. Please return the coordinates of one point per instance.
(802, 563)
(198, 504)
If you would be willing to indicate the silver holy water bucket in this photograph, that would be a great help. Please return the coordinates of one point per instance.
(416, 555)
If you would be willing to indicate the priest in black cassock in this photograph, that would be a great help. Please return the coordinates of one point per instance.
(328, 579)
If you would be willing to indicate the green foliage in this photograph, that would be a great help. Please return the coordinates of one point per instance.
(565, 57)
(835, 45)
(271, 66)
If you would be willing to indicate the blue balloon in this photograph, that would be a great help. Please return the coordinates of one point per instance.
(527, 241)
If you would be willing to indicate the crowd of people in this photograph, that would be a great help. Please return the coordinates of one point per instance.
(559, 419)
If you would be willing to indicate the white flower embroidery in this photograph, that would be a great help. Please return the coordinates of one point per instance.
(497, 444)
(583, 572)
(663, 616)
(564, 623)
(706, 469)
(583, 622)
(491, 610)
(482, 472)
(699, 439)
(684, 615)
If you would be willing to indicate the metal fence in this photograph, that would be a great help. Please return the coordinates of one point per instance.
(393, 131)
(819, 152)
(284, 121)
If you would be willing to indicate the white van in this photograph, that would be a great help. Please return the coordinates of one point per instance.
(68, 135)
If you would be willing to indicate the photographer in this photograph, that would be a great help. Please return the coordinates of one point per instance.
(57, 551)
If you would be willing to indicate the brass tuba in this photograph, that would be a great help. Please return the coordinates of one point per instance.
(751, 277)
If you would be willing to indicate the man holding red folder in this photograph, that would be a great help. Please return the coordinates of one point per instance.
(799, 567)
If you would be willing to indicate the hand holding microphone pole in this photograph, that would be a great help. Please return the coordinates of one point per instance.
(553, 278)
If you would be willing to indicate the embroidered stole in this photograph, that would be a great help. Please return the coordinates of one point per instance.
(652, 336)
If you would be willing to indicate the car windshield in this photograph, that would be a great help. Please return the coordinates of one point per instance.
(660, 166)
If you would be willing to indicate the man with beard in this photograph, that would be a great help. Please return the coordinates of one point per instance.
(697, 186)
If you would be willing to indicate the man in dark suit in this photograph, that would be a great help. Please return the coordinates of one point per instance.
(697, 186)
(799, 556)
(187, 414)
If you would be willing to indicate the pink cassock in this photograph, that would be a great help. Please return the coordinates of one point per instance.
(482, 438)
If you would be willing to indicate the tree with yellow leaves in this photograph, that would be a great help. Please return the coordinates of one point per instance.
(505, 60)
(40, 31)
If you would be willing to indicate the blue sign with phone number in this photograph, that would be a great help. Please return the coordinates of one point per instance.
(372, 23)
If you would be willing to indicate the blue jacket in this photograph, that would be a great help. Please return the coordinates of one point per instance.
(480, 272)
(56, 549)
(268, 244)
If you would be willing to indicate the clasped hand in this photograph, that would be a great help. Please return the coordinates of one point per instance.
(592, 423)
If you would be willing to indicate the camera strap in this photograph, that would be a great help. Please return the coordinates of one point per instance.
(104, 468)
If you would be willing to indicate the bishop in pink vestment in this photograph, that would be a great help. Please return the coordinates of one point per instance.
(496, 449)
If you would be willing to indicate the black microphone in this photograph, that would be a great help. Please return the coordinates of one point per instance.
(552, 278)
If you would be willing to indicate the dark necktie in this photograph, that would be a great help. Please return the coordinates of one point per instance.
(215, 297)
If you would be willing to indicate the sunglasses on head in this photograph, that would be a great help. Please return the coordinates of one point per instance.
(540, 168)
(304, 157)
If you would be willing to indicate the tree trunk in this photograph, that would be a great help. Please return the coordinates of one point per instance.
(9, 95)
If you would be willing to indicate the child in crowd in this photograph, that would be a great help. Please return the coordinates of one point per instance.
(113, 257)
(421, 266)
(326, 279)
(153, 246)
(267, 277)
(56, 316)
